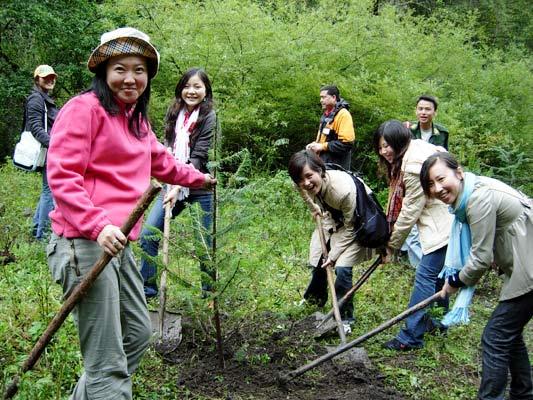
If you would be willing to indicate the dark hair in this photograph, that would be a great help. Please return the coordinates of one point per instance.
(446, 158)
(332, 90)
(429, 98)
(299, 160)
(140, 113)
(206, 106)
(398, 138)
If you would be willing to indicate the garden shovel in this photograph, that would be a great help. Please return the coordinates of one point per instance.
(168, 323)
(329, 271)
(331, 284)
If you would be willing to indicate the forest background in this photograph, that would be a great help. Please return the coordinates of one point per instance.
(267, 61)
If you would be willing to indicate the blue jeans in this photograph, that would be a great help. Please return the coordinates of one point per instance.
(413, 247)
(150, 241)
(504, 350)
(412, 334)
(41, 221)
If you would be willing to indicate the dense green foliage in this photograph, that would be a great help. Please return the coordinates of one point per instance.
(268, 59)
(59, 33)
(499, 22)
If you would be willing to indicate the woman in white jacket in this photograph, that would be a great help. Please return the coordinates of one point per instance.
(402, 156)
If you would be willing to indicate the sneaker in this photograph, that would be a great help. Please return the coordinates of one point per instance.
(395, 344)
(347, 328)
(347, 325)
(150, 291)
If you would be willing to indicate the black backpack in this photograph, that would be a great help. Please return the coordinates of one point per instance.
(370, 222)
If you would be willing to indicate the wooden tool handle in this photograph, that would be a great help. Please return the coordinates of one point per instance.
(81, 290)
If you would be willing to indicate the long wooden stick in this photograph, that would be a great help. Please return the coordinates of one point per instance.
(354, 289)
(341, 349)
(331, 283)
(216, 311)
(80, 291)
(163, 284)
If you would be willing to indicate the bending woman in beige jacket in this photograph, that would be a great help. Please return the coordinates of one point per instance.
(499, 227)
(330, 191)
(402, 157)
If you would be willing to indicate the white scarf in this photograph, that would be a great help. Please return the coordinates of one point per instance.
(182, 150)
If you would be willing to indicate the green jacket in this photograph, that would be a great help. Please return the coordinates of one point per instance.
(438, 138)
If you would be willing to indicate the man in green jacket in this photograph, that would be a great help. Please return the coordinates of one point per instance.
(424, 128)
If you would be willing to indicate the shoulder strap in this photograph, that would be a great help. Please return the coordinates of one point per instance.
(45, 116)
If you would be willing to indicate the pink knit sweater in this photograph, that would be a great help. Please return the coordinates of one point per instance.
(97, 170)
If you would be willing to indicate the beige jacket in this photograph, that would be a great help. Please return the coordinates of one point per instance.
(339, 192)
(430, 215)
(501, 226)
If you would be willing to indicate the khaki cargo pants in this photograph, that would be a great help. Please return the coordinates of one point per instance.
(112, 319)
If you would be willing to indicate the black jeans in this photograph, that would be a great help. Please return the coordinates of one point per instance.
(317, 291)
(504, 350)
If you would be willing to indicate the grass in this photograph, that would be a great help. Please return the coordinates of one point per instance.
(263, 246)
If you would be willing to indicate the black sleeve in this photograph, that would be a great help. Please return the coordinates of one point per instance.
(338, 147)
(35, 114)
(202, 144)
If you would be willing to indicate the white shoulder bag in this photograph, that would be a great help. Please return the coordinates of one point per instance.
(29, 153)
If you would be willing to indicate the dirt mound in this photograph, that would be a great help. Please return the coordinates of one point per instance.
(257, 352)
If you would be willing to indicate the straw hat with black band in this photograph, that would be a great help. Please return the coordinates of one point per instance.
(124, 41)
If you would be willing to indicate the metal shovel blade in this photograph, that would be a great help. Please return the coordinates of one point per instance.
(172, 331)
(326, 329)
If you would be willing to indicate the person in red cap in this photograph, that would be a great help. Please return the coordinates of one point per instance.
(101, 157)
(40, 112)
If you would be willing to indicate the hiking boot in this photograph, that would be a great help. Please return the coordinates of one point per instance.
(436, 328)
(395, 344)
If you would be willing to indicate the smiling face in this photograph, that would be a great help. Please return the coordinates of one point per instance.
(425, 112)
(445, 183)
(385, 150)
(194, 92)
(127, 77)
(46, 83)
(311, 181)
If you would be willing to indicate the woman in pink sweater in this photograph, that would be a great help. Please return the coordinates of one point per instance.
(100, 160)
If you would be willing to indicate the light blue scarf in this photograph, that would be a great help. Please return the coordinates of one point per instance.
(457, 255)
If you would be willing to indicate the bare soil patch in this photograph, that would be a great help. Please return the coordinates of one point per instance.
(257, 352)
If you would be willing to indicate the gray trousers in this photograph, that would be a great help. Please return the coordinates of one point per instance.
(112, 319)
